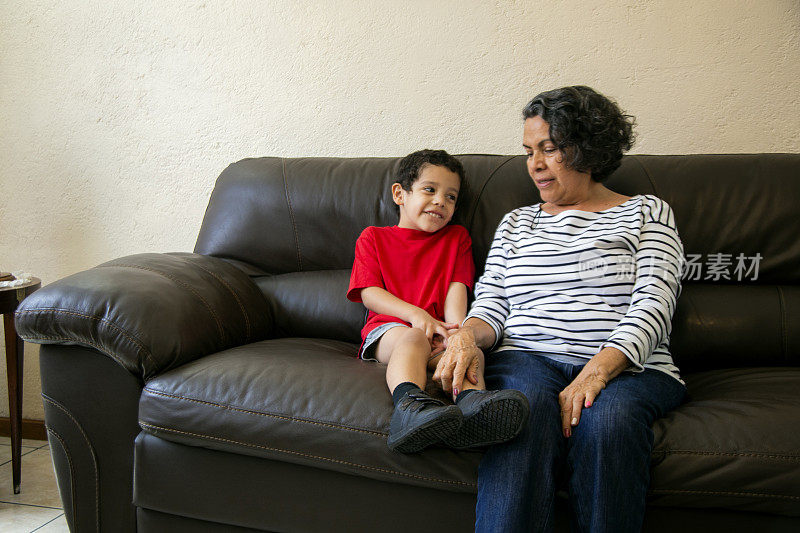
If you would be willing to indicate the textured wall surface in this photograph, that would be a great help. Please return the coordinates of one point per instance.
(116, 117)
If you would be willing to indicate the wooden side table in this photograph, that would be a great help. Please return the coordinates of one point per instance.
(10, 297)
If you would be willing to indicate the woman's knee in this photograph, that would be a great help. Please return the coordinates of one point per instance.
(611, 426)
(544, 421)
(543, 400)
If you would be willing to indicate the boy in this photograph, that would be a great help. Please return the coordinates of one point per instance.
(413, 278)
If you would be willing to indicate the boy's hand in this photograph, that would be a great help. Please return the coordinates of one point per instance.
(439, 343)
(424, 321)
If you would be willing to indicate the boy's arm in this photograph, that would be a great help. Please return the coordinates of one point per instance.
(383, 302)
(455, 303)
(455, 311)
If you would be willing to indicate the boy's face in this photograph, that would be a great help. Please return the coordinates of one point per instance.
(430, 204)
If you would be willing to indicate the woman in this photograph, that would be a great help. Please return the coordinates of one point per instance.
(575, 307)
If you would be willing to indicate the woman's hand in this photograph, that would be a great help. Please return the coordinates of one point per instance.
(587, 385)
(579, 394)
(460, 360)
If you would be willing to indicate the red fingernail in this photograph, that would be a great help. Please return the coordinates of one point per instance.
(455, 392)
(588, 403)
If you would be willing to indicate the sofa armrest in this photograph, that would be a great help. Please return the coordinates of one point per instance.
(149, 312)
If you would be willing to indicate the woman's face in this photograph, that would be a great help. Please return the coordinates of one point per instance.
(557, 183)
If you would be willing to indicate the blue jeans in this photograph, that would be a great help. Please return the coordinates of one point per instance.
(606, 461)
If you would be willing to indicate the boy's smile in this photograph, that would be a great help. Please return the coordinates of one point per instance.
(430, 204)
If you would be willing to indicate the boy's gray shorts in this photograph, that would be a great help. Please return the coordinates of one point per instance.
(371, 342)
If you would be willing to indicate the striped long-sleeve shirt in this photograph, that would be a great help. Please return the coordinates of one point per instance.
(570, 284)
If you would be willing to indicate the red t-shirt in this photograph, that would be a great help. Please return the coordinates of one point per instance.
(413, 265)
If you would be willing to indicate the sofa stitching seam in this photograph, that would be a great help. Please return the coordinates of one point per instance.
(784, 335)
(181, 284)
(117, 358)
(728, 493)
(230, 289)
(91, 449)
(81, 341)
(71, 473)
(309, 456)
(784, 457)
(291, 216)
(270, 415)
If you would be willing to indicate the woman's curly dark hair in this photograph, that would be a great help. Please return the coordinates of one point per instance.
(590, 129)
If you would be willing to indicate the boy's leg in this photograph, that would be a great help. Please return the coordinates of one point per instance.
(490, 416)
(418, 420)
(406, 351)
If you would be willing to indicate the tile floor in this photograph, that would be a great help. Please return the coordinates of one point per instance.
(38, 506)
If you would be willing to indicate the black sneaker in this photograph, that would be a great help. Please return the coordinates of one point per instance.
(419, 421)
(490, 417)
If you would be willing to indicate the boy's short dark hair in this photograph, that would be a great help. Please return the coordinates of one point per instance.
(411, 165)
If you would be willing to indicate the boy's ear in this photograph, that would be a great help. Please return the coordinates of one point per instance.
(397, 193)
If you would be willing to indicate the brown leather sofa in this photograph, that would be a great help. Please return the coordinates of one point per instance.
(219, 390)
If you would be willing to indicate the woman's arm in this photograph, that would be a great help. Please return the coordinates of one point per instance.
(659, 261)
(482, 333)
(648, 321)
(383, 302)
(491, 303)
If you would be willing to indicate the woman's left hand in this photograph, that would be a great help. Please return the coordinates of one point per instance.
(578, 394)
(593, 378)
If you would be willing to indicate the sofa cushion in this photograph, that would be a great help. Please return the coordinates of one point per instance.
(310, 304)
(733, 444)
(305, 401)
(311, 402)
(149, 312)
(274, 495)
(715, 327)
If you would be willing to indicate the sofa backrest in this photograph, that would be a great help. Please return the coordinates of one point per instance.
(292, 224)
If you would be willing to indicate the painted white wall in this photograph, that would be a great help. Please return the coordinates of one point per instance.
(117, 116)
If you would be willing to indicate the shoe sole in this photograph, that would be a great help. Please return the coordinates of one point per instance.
(498, 421)
(432, 432)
